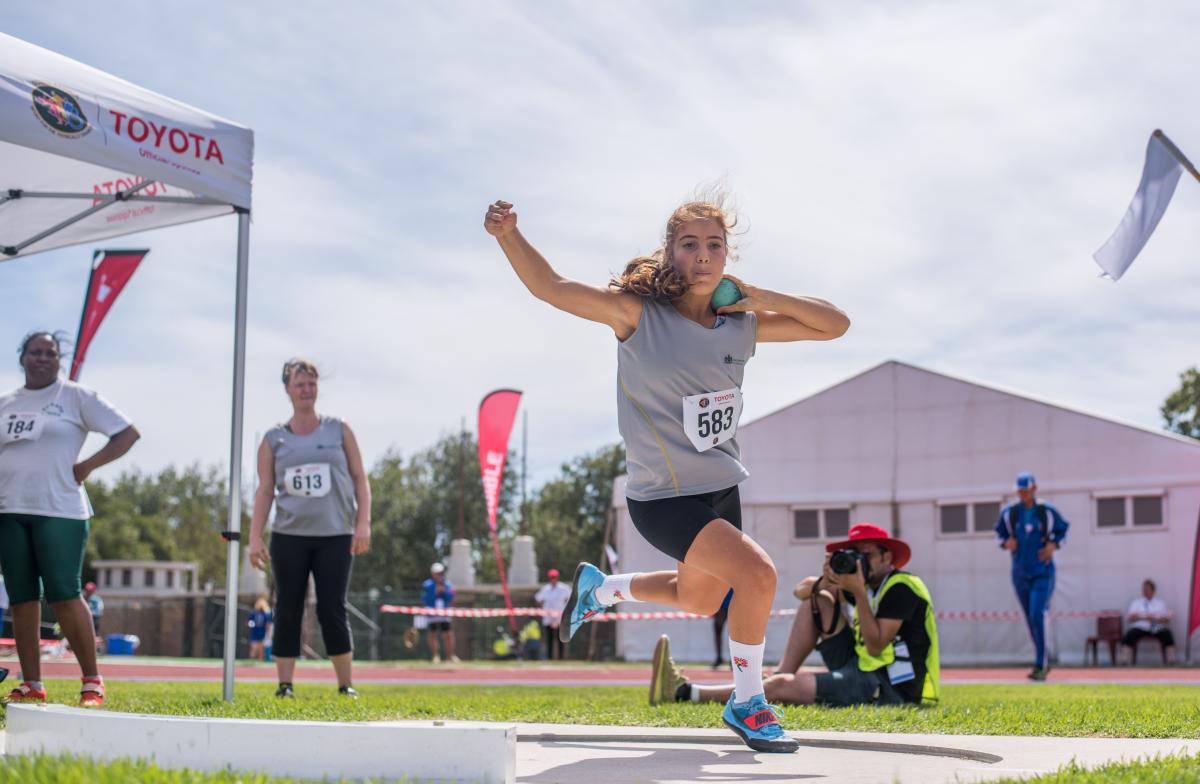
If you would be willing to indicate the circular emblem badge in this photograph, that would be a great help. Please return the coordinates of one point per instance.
(60, 111)
(704, 402)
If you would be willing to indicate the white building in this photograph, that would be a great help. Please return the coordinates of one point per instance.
(932, 458)
(146, 578)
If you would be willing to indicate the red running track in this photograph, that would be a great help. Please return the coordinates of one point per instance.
(567, 675)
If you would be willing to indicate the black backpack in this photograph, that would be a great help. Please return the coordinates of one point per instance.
(1039, 511)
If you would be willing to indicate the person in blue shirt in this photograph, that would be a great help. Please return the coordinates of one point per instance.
(438, 593)
(1032, 530)
(259, 623)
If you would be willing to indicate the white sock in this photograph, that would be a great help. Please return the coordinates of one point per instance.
(695, 695)
(37, 685)
(616, 588)
(747, 669)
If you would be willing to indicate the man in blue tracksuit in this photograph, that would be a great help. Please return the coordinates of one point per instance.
(1032, 531)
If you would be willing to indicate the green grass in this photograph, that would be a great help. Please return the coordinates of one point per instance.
(71, 770)
(44, 769)
(1160, 770)
(1070, 710)
(1053, 709)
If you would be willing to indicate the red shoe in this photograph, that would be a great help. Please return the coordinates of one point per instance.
(91, 694)
(27, 693)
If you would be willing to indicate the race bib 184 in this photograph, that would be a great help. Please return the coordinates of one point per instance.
(20, 427)
(311, 480)
(712, 418)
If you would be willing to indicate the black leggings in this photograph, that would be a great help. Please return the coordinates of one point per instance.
(554, 644)
(328, 559)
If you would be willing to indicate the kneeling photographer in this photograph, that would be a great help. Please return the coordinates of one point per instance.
(872, 624)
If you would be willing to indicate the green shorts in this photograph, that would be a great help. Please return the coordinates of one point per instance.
(37, 551)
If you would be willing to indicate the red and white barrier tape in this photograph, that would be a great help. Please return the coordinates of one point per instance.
(675, 615)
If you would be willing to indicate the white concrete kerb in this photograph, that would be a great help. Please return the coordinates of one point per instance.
(416, 750)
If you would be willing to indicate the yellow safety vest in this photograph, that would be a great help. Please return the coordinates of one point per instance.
(931, 689)
(531, 631)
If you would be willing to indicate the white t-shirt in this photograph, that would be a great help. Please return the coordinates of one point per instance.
(41, 433)
(553, 597)
(1144, 606)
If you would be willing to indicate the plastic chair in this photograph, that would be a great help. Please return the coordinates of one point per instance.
(1108, 629)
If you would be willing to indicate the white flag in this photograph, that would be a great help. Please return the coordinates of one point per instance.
(1164, 164)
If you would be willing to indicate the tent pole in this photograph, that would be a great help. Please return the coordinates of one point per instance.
(233, 529)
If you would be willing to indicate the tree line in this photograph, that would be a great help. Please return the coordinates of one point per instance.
(419, 504)
(178, 513)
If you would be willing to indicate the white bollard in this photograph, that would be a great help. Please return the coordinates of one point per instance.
(461, 569)
(522, 571)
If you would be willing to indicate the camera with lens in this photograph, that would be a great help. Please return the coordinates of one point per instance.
(846, 562)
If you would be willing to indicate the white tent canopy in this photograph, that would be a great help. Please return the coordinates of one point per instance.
(85, 156)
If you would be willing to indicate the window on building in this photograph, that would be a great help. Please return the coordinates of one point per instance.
(170, 579)
(108, 578)
(149, 579)
(986, 514)
(1110, 512)
(821, 523)
(953, 518)
(1147, 510)
(126, 577)
(806, 524)
(1130, 511)
(837, 523)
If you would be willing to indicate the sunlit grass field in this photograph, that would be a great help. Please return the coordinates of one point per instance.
(1068, 710)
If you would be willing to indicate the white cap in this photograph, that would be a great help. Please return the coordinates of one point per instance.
(437, 568)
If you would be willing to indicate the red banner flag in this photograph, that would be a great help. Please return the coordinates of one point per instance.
(496, 415)
(111, 270)
(1194, 603)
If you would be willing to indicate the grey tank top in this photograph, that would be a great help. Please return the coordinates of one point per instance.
(666, 359)
(314, 494)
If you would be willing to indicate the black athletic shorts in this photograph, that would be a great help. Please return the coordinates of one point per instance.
(439, 626)
(1134, 635)
(672, 524)
(845, 684)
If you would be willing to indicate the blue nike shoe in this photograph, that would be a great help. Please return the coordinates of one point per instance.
(582, 606)
(757, 724)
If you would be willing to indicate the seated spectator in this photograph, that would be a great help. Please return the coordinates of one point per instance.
(882, 650)
(1148, 616)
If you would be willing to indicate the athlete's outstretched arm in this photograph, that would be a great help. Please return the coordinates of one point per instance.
(618, 309)
(783, 317)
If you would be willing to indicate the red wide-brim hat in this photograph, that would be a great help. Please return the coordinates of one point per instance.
(865, 532)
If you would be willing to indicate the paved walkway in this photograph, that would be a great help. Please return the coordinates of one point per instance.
(545, 674)
(574, 754)
(580, 755)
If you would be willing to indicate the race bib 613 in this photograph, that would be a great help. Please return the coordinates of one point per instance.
(311, 480)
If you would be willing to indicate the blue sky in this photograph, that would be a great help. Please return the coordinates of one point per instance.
(942, 172)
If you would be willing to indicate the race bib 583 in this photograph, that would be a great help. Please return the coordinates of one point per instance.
(712, 418)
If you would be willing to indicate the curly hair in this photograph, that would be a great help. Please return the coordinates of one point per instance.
(58, 336)
(298, 365)
(654, 275)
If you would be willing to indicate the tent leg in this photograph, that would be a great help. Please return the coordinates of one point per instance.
(233, 527)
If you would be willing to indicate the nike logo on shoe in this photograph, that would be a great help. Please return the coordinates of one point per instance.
(761, 719)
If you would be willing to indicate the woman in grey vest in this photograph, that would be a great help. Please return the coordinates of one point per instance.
(310, 467)
(680, 361)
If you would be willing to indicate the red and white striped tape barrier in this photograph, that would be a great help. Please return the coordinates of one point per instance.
(676, 615)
